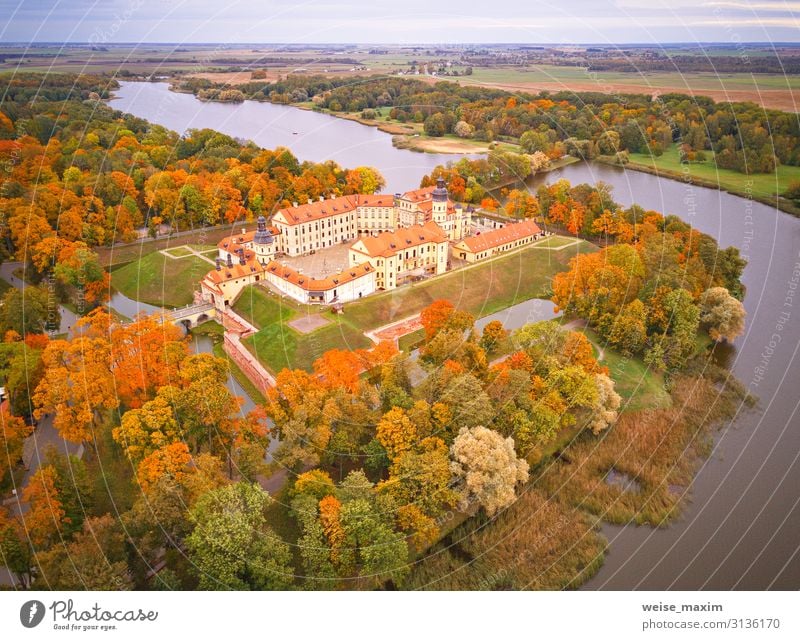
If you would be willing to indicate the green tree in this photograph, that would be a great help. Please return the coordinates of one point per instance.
(94, 559)
(29, 310)
(232, 547)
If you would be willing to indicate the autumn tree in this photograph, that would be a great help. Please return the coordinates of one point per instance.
(434, 317)
(494, 336)
(94, 559)
(29, 310)
(296, 405)
(143, 431)
(486, 468)
(396, 433)
(722, 314)
(45, 517)
(170, 461)
(15, 549)
(606, 409)
(339, 368)
(78, 384)
(13, 432)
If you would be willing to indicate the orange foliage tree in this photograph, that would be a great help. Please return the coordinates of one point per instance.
(46, 516)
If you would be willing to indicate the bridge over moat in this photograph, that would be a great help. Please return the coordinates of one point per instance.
(193, 314)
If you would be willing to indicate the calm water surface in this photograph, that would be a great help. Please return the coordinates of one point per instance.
(740, 530)
(310, 135)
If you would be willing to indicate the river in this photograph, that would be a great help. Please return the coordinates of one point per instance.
(310, 135)
(740, 529)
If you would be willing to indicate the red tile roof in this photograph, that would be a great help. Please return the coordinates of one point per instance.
(334, 206)
(388, 243)
(317, 284)
(425, 193)
(236, 271)
(236, 240)
(499, 237)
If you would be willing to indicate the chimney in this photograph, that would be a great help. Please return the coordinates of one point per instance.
(321, 198)
(219, 263)
(294, 204)
(310, 201)
(230, 261)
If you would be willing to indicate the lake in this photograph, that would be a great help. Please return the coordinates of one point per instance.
(740, 529)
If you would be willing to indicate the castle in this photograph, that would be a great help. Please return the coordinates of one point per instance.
(395, 239)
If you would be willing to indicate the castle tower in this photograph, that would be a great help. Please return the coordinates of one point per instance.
(263, 241)
(439, 208)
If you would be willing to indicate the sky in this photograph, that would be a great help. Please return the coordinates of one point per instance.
(400, 21)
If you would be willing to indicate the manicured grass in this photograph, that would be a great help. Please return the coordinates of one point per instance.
(178, 252)
(554, 242)
(210, 328)
(481, 290)
(640, 386)
(262, 308)
(411, 341)
(279, 346)
(159, 280)
(4, 286)
(203, 248)
(760, 185)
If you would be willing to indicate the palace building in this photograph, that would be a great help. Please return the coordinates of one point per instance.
(398, 256)
(394, 240)
(432, 204)
(242, 259)
(324, 223)
(349, 284)
(491, 243)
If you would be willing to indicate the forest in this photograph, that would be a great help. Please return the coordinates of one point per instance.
(351, 475)
(742, 136)
(78, 175)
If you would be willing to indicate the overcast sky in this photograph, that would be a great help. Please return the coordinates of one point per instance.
(399, 21)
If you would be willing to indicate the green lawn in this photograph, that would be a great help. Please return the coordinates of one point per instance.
(263, 309)
(4, 286)
(639, 386)
(159, 280)
(178, 252)
(203, 248)
(483, 289)
(554, 242)
(279, 346)
(761, 185)
(411, 341)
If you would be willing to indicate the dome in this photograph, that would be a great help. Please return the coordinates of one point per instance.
(440, 192)
(263, 235)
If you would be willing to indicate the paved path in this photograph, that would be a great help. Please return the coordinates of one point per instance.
(191, 251)
(580, 323)
(7, 269)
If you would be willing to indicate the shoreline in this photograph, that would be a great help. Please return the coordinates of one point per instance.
(778, 202)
